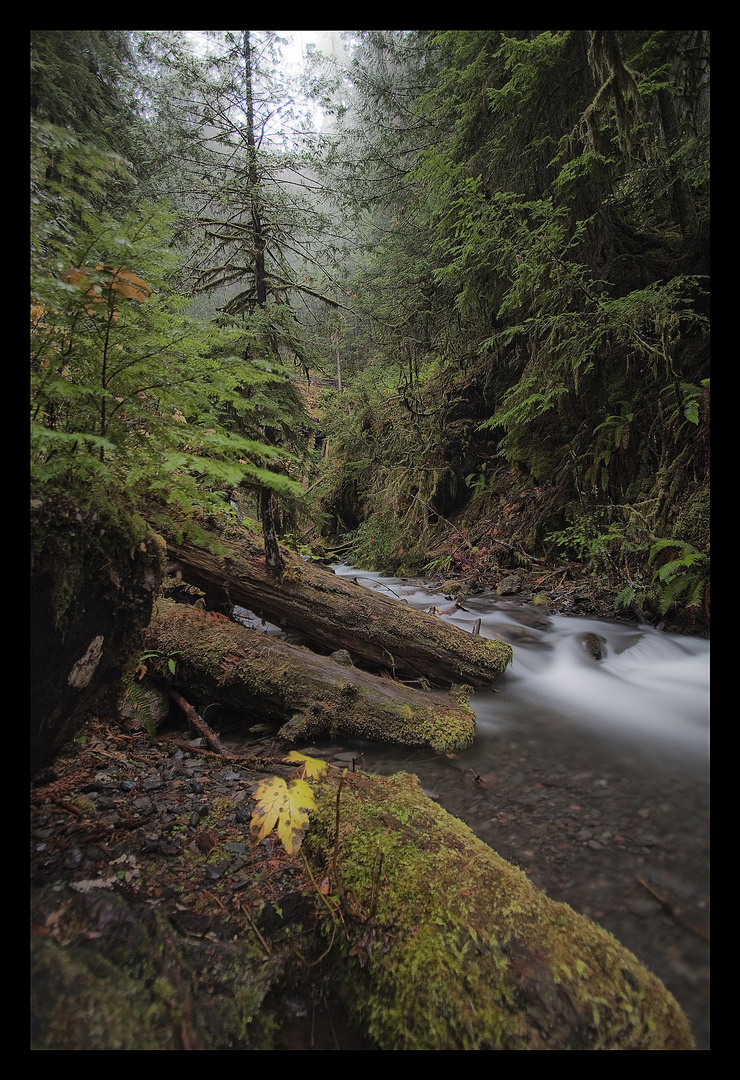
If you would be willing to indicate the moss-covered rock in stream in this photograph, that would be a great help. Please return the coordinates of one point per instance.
(452, 948)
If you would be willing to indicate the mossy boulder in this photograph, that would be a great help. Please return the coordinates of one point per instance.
(452, 948)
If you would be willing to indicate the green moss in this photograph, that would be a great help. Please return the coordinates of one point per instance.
(139, 985)
(215, 658)
(76, 536)
(462, 952)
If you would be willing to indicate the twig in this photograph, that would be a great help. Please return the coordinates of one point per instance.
(378, 584)
(334, 872)
(262, 940)
(67, 807)
(667, 907)
(332, 912)
(199, 724)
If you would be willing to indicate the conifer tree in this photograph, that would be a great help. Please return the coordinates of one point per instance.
(256, 240)
(130, 396)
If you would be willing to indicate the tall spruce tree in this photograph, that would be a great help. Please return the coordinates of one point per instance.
(257, 240)
(130, 397)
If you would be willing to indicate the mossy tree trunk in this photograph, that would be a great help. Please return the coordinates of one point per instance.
(95, 572)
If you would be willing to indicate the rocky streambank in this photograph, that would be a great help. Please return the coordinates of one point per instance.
(148, 898)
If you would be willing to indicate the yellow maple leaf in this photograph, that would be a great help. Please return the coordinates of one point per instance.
(284, 805)
(313, 768)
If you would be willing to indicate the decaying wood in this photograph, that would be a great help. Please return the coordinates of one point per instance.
(449, 947)
(307, 694)
(333, 613)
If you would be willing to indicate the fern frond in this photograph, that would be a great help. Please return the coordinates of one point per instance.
(136, 697)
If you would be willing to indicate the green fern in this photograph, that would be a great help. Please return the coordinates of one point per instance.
(681, 576)
(137, 699)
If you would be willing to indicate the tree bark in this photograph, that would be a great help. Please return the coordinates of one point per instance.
(309, 695)
(683, 202)
(332, 613)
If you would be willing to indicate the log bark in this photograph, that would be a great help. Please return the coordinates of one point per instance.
(332, 613)
(309, 695)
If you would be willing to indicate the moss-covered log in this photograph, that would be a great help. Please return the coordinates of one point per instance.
(308, 694)
(441, 943)
(333, 613)
(452, 948)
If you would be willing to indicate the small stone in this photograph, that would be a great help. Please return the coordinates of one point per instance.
(73, 860)
(510, 585)
(341, 656)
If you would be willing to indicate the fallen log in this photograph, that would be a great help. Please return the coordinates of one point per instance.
(333, 613)
(309, 695)
(446, 946)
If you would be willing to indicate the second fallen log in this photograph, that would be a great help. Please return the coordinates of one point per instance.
(309, 695)
(334, 613)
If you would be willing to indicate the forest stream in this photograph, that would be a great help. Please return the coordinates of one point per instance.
(589, 770)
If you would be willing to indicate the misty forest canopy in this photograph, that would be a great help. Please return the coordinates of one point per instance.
(495, 243)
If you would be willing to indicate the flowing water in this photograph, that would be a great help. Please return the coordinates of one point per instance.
(590, 772)
(647, 693)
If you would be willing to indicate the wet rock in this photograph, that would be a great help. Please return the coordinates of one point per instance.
(510, 585)
(341, 656)
(594, 644)
(531, 617)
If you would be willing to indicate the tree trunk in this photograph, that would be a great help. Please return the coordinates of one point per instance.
(332, 613)
(309, 695)
(273, 560)
(683, 202)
